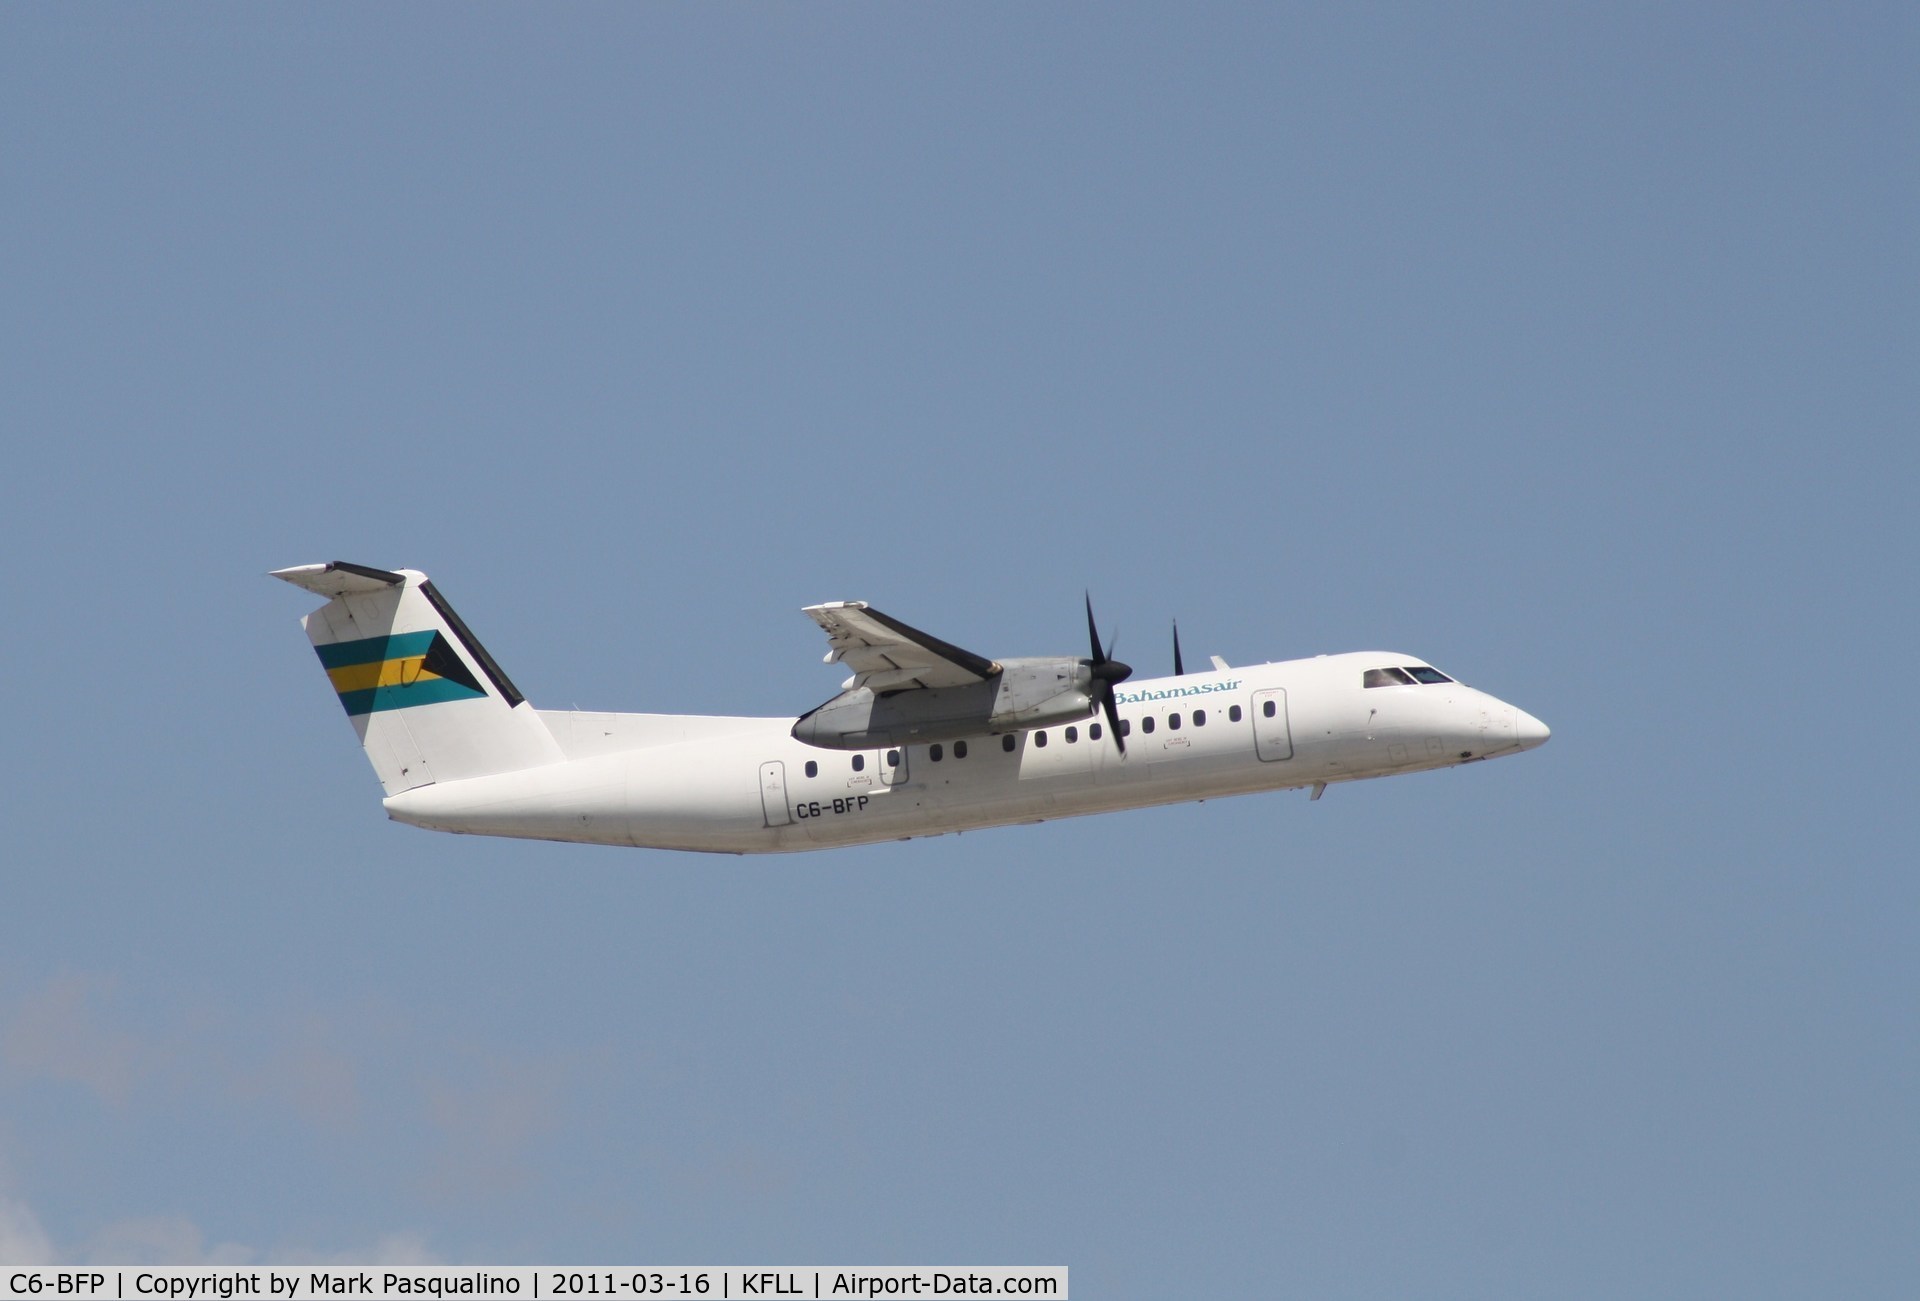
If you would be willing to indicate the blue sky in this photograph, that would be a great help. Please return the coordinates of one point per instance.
(1571, 348)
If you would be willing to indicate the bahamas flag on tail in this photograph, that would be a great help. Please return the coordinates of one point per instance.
(409, 668)
(428, 702)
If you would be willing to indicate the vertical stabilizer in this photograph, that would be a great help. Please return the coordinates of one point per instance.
(429, 703)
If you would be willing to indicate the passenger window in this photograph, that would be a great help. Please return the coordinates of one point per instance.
(893, 758)
(1266, 707)
(1199, 718)
(859, 762)
(1093, 731)
(1073, 734)
(1427, 676)
(934, 752)
(1386, 678)
(1173, 722)
(1146, 724)
(1040, 738)
(959, 749)
(1007, 743)
(1126, 727)
(1233, 713)
(813, 769)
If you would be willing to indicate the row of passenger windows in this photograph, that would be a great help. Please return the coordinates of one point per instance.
(1070, 734)
(1174, 720)
(893, 759)
(1413, 673)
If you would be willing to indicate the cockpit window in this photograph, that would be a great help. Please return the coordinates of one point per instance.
(1387, 678)
(1423, 674)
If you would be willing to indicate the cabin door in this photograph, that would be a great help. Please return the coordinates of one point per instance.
(773, 793)
(1272, 739)
(893, 765)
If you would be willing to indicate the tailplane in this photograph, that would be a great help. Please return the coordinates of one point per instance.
(430, 705)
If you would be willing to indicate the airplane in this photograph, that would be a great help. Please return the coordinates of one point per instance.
(924, 739)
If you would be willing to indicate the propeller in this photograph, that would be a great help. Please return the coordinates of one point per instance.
(1178, 667)
(1106, 672)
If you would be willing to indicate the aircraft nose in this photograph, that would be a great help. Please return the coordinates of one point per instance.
(1529, 731)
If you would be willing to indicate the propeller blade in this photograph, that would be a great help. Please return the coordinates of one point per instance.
(1178, 667)
(1113, 717)
(1104, 670)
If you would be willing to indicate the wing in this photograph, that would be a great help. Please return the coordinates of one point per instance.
(887, 655)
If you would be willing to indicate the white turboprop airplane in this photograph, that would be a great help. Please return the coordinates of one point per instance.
(924, 739)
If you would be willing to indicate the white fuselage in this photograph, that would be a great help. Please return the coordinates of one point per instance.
(744, 785)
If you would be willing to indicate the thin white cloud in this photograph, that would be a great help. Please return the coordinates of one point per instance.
(66, 1031)
(486, 1115)
(57, 1033)
(176, 1240)
(488, 1118)
(161, 1240)
(22, 1240)
(318, 1083)
(391, 1249)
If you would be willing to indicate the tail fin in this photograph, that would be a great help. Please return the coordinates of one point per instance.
(429, 703)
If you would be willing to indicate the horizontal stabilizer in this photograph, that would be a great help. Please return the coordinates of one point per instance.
(339, 578)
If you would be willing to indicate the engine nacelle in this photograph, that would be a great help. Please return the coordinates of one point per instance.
(1025, 693)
